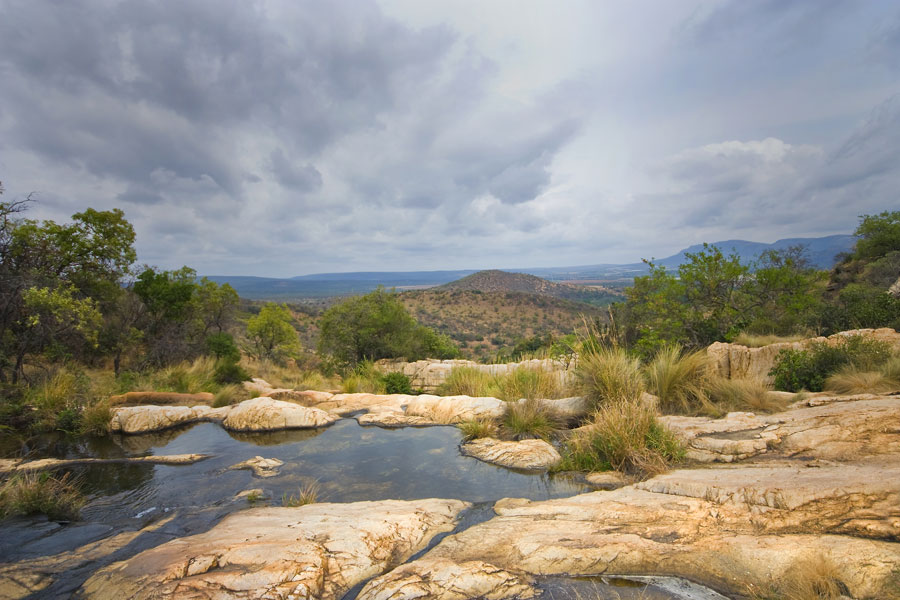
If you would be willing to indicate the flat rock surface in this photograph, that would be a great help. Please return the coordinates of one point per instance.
(313, 551)
(261, 467)
(446, 580)
(57, 463)
(524, 454)
(449, 410)
(144, 419)
(267, 414)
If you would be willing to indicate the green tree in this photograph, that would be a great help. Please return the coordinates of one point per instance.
(377, 326)
(785, 292)
(271, 333)
(877, 235)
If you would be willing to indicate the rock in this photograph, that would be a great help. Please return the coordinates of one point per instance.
(266, 414)
(726, 528)
(312, 551)
(258, 386)
(392, 418)
(524, 454)
(261, 467)
(446, 580)
(252, 495)
(449, 410)
(572, 408)
(738, 362)
(135, 398)
(143, 419)
(57, 463)
(303, 397)
(344, 404)
(607, 480)
(894, 290)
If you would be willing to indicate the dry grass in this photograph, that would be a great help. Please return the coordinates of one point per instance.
(230, 394)
(95, 418)
(467, 381)
(625, 436)
(814, 578)
(726, 395)
(608, 375)
(758, 341)
(40, 493)
(309, 494)
(530, 383)
(441, 414)
(851, 380)
(679, 380)
(530, 419)
(478, 428)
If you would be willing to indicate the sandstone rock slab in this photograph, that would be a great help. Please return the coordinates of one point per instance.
(313, 551)
(267, 414)
(441, 579)
(524, 454)
(449, 410)
(145, 419)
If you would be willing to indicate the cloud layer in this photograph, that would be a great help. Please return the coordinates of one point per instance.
(282, 138)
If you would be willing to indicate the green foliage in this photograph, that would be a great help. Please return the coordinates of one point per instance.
(377, 326)
(807, 369)
(230, 373)
(40, 493)
(877, 235)
(228, 395)
(396, 383)
(271, 333)
(467, 381)
(222, 345)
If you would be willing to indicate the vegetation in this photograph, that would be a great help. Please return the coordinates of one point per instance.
(271, 334)
(41, 493)
(467, 381)
(377, 326)
(309, 494)
(679, 379)
(530, 419)
(478, 428)
(528, 382)
(807, 369)
(626, 436)
(605, 375)
(813, 578)
(849, 379)
(726, 395)
(396, 383)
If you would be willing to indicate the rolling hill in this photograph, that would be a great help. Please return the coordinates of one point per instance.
(503, 281)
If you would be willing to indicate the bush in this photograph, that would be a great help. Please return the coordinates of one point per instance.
(41, 493)
(625, 436)
(396, 383)
(678, 379)
(530, 419)
(95, 418)
(605, 375)
(796, 370)
(530, 383)
(222, 346)
(230, 373)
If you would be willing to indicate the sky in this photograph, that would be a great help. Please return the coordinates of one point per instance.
(282, 138)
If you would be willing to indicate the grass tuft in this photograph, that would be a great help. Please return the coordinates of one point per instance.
(309, 494)
(478, 428)
(759, 340)
(230, 394)
(727, 395)
(625, 436)
(852, 380)
(530, 419)
(41, 493)
(467, 381)
(95, 418)
(608, 375)
(814, 578)
(530, 383)
(679, 379)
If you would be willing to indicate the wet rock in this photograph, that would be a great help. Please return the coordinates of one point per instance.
(524, 454)
(144, 419)
(266, 414)
(440, 579)
(449, 410)
(607, 480)
(261, 467)
(252, 495)
(135, 398)
(313, 551)
(57, 463)
(392, 418)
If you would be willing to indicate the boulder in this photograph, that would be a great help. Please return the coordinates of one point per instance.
(261, 467)
(344, 404)
(524, 454)
(607, 480)
(392, 419)
(312, 551)
(258, 386)
(440, 579)
(266, 414)
(449, 410)
(304, 397)
(143, 419)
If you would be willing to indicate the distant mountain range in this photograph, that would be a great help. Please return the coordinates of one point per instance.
(820, 251)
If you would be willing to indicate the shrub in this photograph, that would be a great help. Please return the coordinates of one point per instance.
(364, 379)
(530, 383)
(41, 493)
(95, 418)
(678, 379)
(608, 375)
(795, 370)
(396, 383)
(222, 346)
(229, 372)
(530, 419)
(68, 420)
(478, 428)
(625, 436)
(467, 381)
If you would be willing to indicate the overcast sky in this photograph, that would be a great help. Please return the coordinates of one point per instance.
(280, 138)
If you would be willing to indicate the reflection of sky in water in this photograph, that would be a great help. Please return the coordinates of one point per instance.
(351, 463)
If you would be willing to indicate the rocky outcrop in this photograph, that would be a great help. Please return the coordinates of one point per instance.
(313, 551)
(439, 579)
(448, 410)
(261, 467)
(429, 374)
(525, 454)
(740, 362)
(266, 414)
(894, 290)
(830, 430)
(145, 419)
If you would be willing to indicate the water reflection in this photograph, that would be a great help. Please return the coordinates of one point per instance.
(275, 438)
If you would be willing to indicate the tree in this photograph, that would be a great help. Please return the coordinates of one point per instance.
(377, 326)
(272, 334)
(785, 291)
(877, 235)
